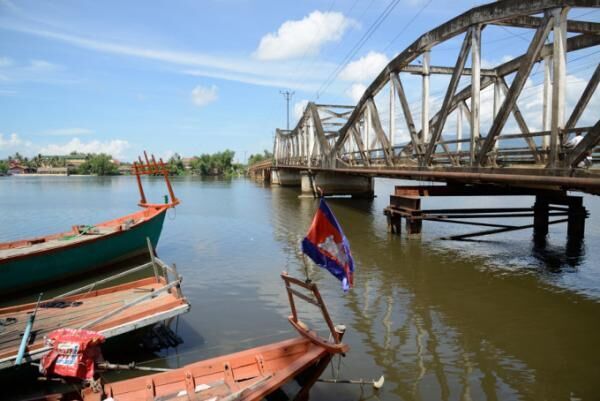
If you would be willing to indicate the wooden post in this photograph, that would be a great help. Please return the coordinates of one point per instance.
(154, 264)
(576, 222)
(540, 217)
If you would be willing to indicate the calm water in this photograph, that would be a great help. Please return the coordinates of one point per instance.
(493, 320)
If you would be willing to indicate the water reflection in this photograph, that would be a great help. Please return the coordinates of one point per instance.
(441, 327)
(504, 319)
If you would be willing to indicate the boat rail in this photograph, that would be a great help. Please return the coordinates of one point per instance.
(314, 298)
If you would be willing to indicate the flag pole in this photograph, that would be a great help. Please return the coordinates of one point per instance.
(308, 280)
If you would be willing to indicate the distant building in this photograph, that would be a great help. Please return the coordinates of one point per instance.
(16, 168)
(53, 170)
(187, 162)
(124, 168)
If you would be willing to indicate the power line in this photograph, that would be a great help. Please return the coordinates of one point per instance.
(378, 21)
(407, 25)
(287, 95)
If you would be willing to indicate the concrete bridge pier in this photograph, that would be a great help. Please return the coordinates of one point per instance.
(285, 178)
(327, 184)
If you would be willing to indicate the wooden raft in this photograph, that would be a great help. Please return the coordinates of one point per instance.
(110, 311)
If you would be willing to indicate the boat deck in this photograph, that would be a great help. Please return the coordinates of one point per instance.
(104, 311)
(247, 375)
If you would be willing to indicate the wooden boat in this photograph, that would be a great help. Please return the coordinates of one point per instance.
(110, 311)
(33, 262)
(247, 375)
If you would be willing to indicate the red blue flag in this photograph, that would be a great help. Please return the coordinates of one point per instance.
(328, 247)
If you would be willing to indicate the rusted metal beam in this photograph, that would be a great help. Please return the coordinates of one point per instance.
(445, 109)
(526, 21)
(380, 133)
(515, 89)
(584, 99)
(407, 113)
(418, 70)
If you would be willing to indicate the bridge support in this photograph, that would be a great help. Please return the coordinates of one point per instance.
(406, 203)
(327, 184)
(285, 178)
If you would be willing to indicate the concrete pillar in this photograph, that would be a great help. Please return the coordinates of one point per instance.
(306, 183)
(344, 184)
(289, 178)
(275, 177)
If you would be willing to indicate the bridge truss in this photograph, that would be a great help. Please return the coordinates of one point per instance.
(450, 137)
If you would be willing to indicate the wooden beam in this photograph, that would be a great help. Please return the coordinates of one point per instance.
(445, 110)
(515, 89)
(475, 91)
(380, 133)
(407, 114)
(521, 122)
(580, 152)
(360, 145)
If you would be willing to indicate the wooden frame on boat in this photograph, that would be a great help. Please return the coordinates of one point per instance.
(110, 311)
(248, 375)
(33, 262)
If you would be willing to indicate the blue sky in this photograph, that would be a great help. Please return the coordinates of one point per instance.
(190, 76)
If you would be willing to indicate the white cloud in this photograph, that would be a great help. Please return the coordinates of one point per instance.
(5, 62)
(203, 95)
(114, 147)
(42, 66)
(356, 91)
(303, 37)
(365, 68)
(299, 108)
(67, 132)
(13, 140)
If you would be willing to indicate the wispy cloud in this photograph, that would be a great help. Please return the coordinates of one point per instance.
(203, 95)
(247, 70)
(67, 132)
(303, 37)
(114, 147)
(366, 68)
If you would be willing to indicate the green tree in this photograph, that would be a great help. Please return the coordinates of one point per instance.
(259, 157)
(3, 167)
(176, 166)
(98, 164)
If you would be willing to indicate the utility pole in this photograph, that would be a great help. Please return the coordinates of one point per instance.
(287, 95)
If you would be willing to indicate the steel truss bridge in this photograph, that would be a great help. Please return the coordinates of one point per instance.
(502, 149)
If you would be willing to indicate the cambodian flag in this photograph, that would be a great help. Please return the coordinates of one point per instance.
(328, 247)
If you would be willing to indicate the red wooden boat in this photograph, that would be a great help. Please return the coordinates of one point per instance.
(109, 311)
(247, 375)
(33, 262)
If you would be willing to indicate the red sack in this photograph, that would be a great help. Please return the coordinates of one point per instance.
(73, 353)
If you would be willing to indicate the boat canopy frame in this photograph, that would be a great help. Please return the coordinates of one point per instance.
(152, 167)
(314, 298)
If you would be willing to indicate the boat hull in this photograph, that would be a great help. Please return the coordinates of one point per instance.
(57, 264)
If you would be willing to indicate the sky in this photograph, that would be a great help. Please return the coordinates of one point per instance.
(197, 77)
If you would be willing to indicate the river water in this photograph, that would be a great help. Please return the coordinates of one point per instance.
(499, 319)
